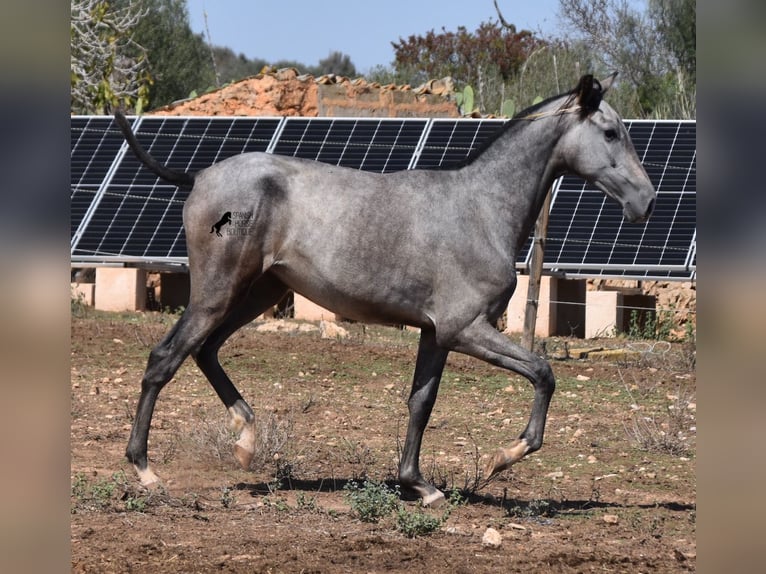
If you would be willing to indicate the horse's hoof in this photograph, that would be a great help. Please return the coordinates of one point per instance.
(434, 499)
(506, 457)
(147, 477)
(243, 456)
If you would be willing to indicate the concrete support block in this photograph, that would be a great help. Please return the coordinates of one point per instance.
(120, 289)
(546, 310)
(84, 292)
(309, 311)
(603, 313)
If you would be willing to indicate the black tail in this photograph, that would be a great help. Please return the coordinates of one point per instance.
(178, 178)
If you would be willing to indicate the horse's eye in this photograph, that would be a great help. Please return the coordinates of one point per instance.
(610, 135)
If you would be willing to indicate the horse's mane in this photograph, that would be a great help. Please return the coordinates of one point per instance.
(516, 122)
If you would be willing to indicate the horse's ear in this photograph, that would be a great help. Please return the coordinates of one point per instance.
(589, 93)
(607, 82)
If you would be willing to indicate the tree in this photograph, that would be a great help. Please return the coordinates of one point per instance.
(676, 22)
(635, 44)
(469, 57)
(336, 63)
(233, 67)
(179, 60)
(108, 66)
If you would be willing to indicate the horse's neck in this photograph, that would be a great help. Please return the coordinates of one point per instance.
(515, 173)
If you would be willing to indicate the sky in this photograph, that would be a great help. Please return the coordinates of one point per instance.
(307, 31)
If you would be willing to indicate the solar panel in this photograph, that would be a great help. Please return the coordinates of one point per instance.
(120, 211)
(138, 216)
(587, 235)
(380, 145)
(94, 146)
(447, 142)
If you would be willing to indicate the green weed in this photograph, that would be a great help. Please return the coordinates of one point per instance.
(105, 493)
(374, 501)
(371, 501)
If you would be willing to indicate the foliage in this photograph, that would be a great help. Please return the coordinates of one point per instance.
(638, 46)
(179, 60)
(663, 325)
(418, 523)
(104, 493)
(469, 57)
(374, 501)
(371, 501)
(108, 65)
(336, 63)
(676, 23)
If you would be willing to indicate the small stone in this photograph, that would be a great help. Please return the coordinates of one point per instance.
(491, 538)
(330, 330)
(611, 518)
(582, 378)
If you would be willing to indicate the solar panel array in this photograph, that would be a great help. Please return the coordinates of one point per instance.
(123, 213)
(588, 236)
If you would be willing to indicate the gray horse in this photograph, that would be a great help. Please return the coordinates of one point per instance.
(435, 249)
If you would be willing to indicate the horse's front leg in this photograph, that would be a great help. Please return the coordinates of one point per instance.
(425, 385)
(483, 341)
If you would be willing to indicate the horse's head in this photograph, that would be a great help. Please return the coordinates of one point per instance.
(597, 147)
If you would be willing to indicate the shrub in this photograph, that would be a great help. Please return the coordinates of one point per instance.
(372, 501)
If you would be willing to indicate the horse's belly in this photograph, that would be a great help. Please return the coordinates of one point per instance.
(370, 300)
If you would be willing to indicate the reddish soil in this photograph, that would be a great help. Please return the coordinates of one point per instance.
(613, 488)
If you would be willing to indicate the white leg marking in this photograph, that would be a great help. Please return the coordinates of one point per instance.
(236, 420)
(147, 476)
(506, 457)
(434, 500)
(244, 448)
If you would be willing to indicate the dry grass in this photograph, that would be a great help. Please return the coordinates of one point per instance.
(669, 432)
(213, 441)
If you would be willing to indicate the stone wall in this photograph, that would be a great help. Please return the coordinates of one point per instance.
(286, 93)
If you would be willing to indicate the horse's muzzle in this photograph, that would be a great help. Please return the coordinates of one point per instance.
(634, 216)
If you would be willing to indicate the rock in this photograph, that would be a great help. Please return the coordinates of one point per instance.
(330, 330)
(282, 326)
(611, 518)
(491, 538)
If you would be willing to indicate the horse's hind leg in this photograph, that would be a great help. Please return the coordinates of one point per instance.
(266, 292)
(483, 341)
(196, 323)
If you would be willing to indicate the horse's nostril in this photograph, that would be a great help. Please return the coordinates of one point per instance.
(650, 209)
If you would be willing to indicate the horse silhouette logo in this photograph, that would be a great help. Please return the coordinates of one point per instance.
(220, 223)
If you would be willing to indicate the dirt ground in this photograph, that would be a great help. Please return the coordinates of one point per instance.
(612, 490)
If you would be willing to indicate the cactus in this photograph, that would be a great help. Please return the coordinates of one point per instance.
(465, 100)
(508, 109)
